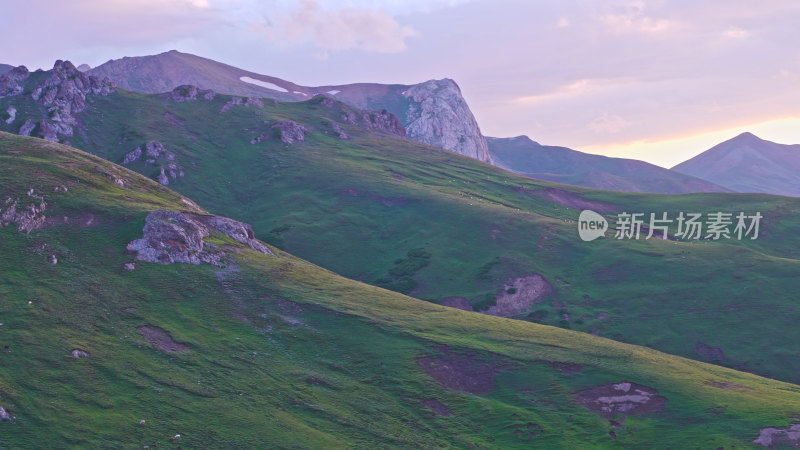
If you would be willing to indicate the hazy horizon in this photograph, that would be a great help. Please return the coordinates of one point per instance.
(652, 80)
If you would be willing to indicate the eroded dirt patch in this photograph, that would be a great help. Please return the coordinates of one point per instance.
(461, 372)
(621, 398)
(162, 339)
(709, 353)
(571, 200)
(518, 295)
(457, 302)
(773, 437)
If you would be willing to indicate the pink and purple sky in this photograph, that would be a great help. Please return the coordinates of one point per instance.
(654, 80)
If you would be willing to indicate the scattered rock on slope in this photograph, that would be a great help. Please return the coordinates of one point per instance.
(187, 92)
(174, 237)
(290, 131)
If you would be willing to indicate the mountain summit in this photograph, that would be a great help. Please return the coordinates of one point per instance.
(433, 112)
(748, 163)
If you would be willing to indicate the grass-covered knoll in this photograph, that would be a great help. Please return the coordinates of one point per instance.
(360, 206)
(277, 352)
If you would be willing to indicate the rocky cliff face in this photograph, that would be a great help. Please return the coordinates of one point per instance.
(438, 115)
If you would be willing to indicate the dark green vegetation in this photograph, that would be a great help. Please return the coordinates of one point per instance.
(281, 353)
(359, 206)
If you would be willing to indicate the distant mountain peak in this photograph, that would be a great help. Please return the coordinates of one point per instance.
(748, 163)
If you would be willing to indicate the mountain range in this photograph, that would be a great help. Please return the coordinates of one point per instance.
(229, 271)
(433, 112)
(563, 165)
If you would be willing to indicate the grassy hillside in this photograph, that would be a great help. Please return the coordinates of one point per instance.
(435, 225)
(273, 351)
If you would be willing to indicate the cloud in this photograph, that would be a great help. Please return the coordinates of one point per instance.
(631, 18)
(344, 29)
(608, 124)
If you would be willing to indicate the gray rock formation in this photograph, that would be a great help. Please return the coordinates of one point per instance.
(78, 353)
(290, 131)
(84, 67)
(438, 115)
(255, 102)
(162, 178)
(173, 237)
(62, 94)
(11, 82)
(187, 92)
(230, 104)
(28, 218)
(341, 133)
(4, 415)
(26, 128)
(132, 155)
(12, 115)
(381, 120)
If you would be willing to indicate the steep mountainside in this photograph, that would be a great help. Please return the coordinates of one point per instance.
(434, 112)
(544, 162)
(747, 163)
(341, 188)
(255, 348)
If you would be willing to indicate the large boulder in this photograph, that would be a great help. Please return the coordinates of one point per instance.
(173, 237)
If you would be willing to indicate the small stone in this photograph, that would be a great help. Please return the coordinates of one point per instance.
(142, 422)
(4, 415)
(129, 266)
(53, 259)
(78, 353)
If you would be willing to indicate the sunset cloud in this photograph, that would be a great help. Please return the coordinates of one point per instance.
(334, 30)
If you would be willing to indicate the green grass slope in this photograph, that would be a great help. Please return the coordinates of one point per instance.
(281, 353)
(432, 224)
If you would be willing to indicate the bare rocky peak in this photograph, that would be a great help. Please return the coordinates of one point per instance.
(438, 115)
(62, 94)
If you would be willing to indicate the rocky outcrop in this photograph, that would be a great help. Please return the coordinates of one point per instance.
(438, 115)
(154, 152)
(62, 94)
(230, 104)
(290, 131)
(4, 415)
(28, 217)
(26, 128)
(381, 120)
(187, 92)
(12, 115)
(11, 83)
(132, 155)
(174, 237)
